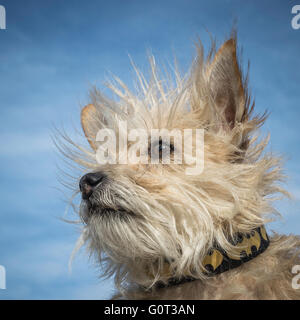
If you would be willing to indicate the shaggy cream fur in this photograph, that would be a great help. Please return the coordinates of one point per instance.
(147, 222)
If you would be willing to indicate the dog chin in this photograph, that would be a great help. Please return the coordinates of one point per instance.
(88, 210)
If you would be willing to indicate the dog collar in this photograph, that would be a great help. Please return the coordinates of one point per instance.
(248, 246)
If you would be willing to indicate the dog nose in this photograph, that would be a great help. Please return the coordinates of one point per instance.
(88, 182)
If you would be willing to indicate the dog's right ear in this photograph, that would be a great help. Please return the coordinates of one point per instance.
(89, 123)
(226, 84)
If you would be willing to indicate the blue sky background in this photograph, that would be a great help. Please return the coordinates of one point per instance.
(50, 54)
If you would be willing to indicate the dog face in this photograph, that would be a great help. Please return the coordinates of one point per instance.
(139, 216)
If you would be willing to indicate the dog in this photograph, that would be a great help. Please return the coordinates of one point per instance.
(164, 232)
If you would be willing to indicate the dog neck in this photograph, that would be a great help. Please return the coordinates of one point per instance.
(248, 246)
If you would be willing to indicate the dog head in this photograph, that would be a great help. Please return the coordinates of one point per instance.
(142, 216)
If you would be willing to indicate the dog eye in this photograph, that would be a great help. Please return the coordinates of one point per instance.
(159, 148)
(164, 146)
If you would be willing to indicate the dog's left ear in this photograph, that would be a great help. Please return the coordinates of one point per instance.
(89, 123)
(226, 84)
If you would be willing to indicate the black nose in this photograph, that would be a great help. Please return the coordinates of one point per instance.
(88, 182)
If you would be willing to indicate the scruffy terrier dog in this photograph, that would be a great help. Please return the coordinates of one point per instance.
(166, 234)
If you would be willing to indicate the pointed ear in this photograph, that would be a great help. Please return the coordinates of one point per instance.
(88, 123)
(226, 84)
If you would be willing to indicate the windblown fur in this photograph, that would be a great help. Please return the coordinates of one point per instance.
(146, 217)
